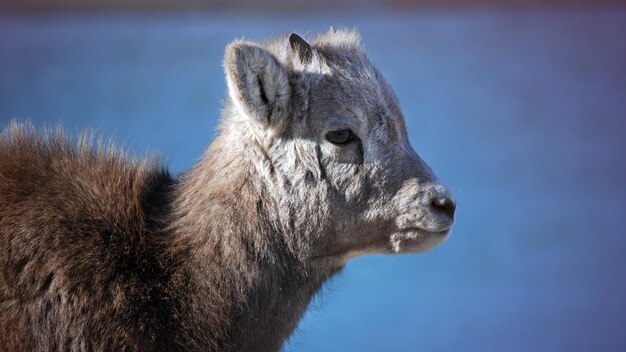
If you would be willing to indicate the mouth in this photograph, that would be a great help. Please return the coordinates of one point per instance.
(416, 240)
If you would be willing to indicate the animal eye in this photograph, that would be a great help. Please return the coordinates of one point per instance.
(340, 137)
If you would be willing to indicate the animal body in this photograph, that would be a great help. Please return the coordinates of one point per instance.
(311, 167)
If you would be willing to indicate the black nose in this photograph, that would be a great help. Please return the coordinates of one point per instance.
(444, 205)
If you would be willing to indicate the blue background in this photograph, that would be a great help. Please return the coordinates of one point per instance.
(521, 113)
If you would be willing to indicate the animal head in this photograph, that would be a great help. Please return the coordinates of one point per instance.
(327, 138)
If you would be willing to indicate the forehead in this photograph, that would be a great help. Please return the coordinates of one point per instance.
(350, 87)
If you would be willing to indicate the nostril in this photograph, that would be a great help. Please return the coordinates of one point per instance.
(444, 205)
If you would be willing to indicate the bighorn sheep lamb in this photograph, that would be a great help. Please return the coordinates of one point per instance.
(311, 167)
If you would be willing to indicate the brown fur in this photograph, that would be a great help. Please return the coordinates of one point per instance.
(87, 265)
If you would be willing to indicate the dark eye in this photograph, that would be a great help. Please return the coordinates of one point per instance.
(340, 136)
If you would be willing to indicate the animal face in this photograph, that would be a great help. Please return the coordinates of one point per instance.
(331, 144)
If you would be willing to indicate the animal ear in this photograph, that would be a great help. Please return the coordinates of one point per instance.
(301, 47)
(258, 84)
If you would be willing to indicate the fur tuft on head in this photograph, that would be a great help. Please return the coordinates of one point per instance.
(339, 39)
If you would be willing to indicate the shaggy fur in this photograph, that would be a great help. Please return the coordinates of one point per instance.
(99, 252)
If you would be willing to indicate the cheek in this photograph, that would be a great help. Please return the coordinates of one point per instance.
(334, 172)
(357, 194)
(344, 172)
(348, 182)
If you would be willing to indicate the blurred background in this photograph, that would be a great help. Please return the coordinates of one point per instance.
(518, 106)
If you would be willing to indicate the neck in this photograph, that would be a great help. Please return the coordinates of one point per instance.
(249, 286)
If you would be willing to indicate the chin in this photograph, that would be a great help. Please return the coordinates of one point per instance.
(416, 241)
(401, 242)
